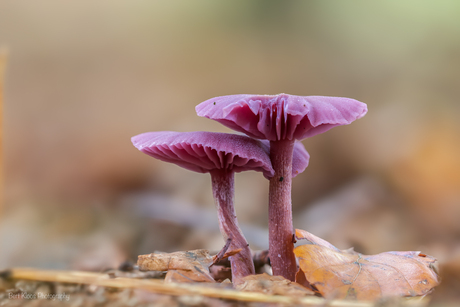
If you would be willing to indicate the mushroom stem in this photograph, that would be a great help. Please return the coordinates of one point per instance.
(223, 191)
(281, 230)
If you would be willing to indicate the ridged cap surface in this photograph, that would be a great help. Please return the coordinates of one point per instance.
(280, 117)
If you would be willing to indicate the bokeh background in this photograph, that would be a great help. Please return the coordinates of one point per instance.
(84, 76)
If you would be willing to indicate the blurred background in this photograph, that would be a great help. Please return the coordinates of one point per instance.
(83, 77)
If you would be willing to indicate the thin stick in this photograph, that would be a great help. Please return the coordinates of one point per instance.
(220, 255)
(175, 289)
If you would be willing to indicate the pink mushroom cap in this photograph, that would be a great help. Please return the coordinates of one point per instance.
(281, 117)
(206, 151)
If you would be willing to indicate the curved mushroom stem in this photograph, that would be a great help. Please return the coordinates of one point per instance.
(281, 230)
(223, 191)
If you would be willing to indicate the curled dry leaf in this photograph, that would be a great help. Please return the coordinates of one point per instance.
(182, 266)
(276, 285)
(346, 274)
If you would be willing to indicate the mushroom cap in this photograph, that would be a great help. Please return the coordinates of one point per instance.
(281, 117)
(300, 157)
(206, 151)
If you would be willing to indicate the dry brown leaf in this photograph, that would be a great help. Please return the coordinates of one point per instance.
(187, 276)
(182, 260)
(276, 285)
(349, 275)
(183, 266)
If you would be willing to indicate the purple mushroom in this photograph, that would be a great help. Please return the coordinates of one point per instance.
(221, 155)
(281, 119)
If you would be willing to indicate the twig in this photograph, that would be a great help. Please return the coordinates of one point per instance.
(158, 286)
(220, 255)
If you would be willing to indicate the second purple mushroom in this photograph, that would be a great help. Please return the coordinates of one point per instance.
(221, 155)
